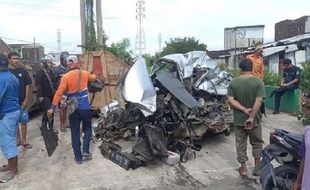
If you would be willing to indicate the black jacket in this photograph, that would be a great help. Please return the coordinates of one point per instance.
(45, 88)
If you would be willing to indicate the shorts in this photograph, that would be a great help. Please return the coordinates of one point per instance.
(24, 117)
(8, 131)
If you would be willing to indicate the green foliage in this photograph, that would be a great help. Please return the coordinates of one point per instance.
(149, 60)
(121, 51)
(182, 45)
(90, 33)
(235, 72)
(271, 78)
(304, 84)
(105, 38)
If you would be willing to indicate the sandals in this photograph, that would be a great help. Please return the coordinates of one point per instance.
(63, 129)
(7, 176)
(242, 174)
(4, 168)
(27, 146)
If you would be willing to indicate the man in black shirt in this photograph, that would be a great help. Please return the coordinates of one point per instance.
(24, 88)
(45, 82)
(289, 82)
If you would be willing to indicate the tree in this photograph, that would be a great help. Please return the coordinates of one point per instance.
(104, 39)
(120, 50)
(90, 33)
(182, 45)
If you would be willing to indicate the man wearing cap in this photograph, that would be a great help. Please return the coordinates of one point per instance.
(75, 83)
(258, 62)
(9, 119)
(289, 82)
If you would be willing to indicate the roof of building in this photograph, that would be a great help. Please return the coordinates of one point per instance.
(288, 41)
(252, 26)
(218, 54)
(26, 45)
(4, 48)
(292, 20)
(273, 50)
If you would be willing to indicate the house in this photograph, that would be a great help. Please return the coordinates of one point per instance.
(289, 28)
(4, 48)
(240, 38)
(29, 53)
(220, 56)
(296, 48)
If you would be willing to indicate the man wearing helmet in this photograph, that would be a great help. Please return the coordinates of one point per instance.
(75, 83)
(45, 82)
(24, 88)
(59, 71)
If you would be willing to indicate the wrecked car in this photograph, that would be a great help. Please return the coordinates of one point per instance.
(182, 99)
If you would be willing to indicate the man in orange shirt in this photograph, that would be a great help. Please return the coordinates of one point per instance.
(258, 62)
(69, 83)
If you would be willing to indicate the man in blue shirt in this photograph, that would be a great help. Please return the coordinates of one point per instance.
(9, 118)
(289, 82)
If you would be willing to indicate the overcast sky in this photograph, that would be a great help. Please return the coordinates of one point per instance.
(22, 20)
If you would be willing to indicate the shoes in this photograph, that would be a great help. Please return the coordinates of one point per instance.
(78, 162)
(275, 112)
(87, 156)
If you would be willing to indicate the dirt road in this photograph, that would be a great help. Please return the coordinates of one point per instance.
(214, 168)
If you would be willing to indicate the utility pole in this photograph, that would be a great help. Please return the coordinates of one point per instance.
(83, 25)
(140, 37)
(159, 41)
(34, 50)
(58, 40)
(99, 23)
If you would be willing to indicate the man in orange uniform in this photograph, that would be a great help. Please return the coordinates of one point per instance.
(258, 62)
(69, 83)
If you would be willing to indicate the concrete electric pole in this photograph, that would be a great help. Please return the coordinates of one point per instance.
(83, 25)
(99, 23)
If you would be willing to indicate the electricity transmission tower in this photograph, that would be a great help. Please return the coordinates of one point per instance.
(58, 40)
(140, 36)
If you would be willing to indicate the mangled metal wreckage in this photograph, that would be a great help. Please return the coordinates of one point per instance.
(180, 101)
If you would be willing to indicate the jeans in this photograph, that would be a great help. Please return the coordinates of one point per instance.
(8, 131)
(75, 119)
(279, 93)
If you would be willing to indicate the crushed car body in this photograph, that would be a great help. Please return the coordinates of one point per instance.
(181, 100)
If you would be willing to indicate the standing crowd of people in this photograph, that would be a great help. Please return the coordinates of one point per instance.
(68, 82)
(56, 86)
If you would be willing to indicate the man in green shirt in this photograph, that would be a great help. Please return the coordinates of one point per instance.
(245, 95)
